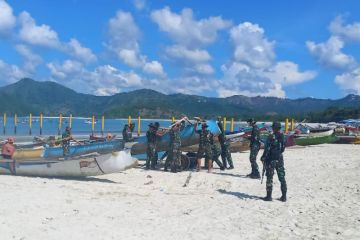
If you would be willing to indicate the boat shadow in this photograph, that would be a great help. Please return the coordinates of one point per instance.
(239, 194)
(79, 179)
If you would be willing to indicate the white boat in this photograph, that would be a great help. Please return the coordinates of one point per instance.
(80, 166)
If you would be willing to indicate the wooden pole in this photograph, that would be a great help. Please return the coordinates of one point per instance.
(232, 125)
(93, 123)
(30, 123)
(41, 123)
(129, 120)
(4, 130)
(139, 125)
(60, 124)
(286, 125)
(224, 124)
(292, 124)
(15, 123)
(172, 119)
(70, 120)
(102, 124)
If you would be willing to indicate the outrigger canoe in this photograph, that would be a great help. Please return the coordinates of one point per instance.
(74, 150)
(78, 166)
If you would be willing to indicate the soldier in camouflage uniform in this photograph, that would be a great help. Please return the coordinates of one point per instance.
(272, 159)
(174, 154)
(254, 149)
(204, 146)
(151, 147)
(215, 152)
(125, 133)
(65, 142)
(225, 147)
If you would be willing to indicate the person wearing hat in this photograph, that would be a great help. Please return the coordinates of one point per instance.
(254, 148)
(204, 146)
(8, 149)
(174, 153)
(272, 159)
(225, 146)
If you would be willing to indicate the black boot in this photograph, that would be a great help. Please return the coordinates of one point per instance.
(255, 174)
(283, 193)
(268, 196)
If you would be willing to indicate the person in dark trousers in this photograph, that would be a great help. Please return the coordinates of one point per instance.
(66, 137)
(273, 159)
(225, 147)
(254, 149)
(204, 146)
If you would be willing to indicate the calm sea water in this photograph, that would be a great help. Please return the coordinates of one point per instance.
(80, 126)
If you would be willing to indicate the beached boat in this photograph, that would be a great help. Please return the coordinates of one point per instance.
(314, 140)
(74, 150)
(187, 135)
(79, 166)
(348, 139)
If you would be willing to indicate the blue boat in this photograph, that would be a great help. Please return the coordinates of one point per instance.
(76, 150)
(187, 135)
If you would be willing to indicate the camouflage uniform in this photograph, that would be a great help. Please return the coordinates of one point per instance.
(225, 148)
(204, 145)
(273, 160)
(215, 153)
(151, 148)
(127, 134)
(65, 143)
(174, 157)
(254, 150)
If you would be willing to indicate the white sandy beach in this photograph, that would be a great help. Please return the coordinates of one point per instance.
(323, 202)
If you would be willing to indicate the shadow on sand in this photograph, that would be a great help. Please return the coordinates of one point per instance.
(80, 179)
(239, 195)
(230, 174)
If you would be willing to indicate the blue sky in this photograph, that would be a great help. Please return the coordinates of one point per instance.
(290, 49)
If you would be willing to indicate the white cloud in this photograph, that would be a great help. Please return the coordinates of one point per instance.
(241, 79)
(7, 19)
(33, 34)
(106, 91)
(350, 32)
(251, 46)
(154, 67)
(287, 73)
(139, 4)
(183, 53)
(253, 70)
(185, 30)
(123, 40)
(349, 81)
(11, 73)
(330, 54)
(31, 60)
(75, 49)
(65, 70)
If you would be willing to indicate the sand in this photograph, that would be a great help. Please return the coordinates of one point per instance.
(323, 202)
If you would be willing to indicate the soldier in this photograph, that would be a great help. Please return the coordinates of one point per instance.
(151, 146)
(204, 146)
(215, 152)
(125, 133)
(254, 149)
(225, 147)
(174, 153)
(272, 158)
(65, 142)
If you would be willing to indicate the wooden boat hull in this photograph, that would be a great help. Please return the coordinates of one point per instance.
(348, 139)
(304, 141)
(81, 166)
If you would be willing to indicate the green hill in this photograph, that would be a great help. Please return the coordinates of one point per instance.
(52, 98)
